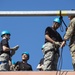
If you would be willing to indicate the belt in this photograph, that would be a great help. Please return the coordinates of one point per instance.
(3, 62)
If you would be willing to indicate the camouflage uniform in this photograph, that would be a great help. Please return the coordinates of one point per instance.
(4, 65)
(50, 57)
(70, 34)
(51, 53)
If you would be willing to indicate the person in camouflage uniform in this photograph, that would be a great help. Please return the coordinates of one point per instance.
(51, 47)
(70, 34)
(6, 52)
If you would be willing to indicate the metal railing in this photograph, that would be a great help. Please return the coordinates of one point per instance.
(37, 13)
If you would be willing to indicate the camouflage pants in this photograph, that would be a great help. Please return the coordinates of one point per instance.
(50, 57)
(72, 50)
(4, 65)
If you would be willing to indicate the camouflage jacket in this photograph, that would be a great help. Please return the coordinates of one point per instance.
(70, 33)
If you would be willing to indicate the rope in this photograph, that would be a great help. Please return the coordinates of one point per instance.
(62, 21)
(60, 62)
(61, 51)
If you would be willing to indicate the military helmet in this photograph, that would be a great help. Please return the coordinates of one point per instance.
(58, 20)
(26, 54)
(5, 32)
(13, 62)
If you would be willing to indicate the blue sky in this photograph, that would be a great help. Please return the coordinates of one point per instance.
(28, 32)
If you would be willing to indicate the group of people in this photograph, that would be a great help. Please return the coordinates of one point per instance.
(6, 54)
(54, 41)
(50, 49)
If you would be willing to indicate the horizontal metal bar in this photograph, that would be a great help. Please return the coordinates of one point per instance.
(37, 13)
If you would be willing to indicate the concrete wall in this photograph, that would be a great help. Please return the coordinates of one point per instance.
(37, 73)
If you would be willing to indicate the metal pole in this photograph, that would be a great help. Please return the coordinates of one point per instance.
(37, 13)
